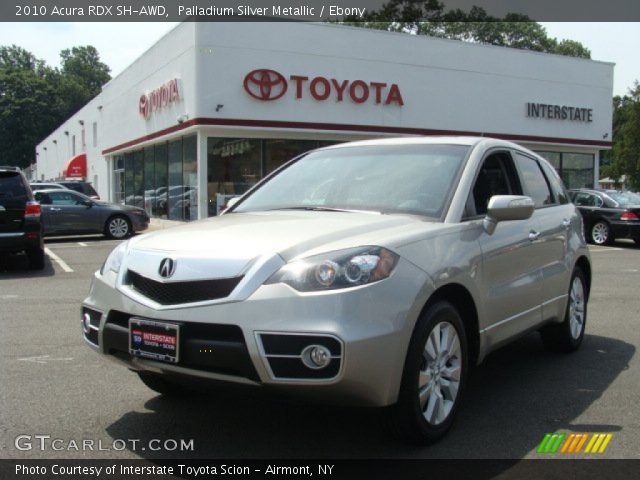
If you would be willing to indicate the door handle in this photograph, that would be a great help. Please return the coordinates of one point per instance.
(533, 235)
(566, 222)
(54, 209)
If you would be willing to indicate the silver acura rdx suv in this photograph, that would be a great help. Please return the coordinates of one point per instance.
(374, 273)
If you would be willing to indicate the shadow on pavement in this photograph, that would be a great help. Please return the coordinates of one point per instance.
(520, 393)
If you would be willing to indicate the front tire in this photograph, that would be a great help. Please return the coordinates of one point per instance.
(567, 336)
(117, 227)
(434, 376)
(601, 233)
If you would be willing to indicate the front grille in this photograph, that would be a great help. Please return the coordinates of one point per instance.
(175, 293)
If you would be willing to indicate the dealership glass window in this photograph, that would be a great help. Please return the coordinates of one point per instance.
(553, 158)
(128, 178)
(578, 170)
(138, 179)
(162, 179)
(149, 180)
(175, 200)
(278, 152)
(190, 176)
(234, 165)
(118, 179)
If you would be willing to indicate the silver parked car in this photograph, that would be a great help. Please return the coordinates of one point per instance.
(65, 212)
(375, 273)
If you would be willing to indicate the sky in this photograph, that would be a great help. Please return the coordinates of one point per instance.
(120, 44)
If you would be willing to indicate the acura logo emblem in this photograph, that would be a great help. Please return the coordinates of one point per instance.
(167, 267)
(265, 84)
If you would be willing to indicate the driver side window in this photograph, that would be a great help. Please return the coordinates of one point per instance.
(497, 176)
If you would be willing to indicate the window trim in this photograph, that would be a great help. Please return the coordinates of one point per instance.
(487, 154)
(554, 200)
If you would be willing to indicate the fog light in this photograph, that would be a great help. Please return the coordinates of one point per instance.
(86, 323)
(316, 356)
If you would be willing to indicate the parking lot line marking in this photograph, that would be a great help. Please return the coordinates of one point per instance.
(82, 244)
(607, 249)
(58, 260)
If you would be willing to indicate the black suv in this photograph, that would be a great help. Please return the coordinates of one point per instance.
(20, 225)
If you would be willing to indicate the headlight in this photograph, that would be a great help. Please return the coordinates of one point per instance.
(114, 260)
(339, 269)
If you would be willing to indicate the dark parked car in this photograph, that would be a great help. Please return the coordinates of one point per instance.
(608, 215)
(66, 212)
(20, 223)
(83, 187)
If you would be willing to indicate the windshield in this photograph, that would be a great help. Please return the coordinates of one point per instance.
(414, 179)
(625, 198)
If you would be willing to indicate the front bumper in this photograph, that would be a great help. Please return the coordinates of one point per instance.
(139, 222)
(258, 341)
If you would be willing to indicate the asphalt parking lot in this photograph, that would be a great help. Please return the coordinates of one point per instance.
(52, 384)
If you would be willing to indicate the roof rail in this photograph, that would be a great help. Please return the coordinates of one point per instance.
(10, 167)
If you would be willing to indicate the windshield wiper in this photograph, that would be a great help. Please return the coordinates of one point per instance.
(319, 208)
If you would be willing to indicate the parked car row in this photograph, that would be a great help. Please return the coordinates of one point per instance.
(608, 215)
(57, 209)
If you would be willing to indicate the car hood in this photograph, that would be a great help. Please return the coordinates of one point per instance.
(227, 245)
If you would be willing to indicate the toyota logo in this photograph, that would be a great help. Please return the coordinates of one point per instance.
(265, 84)
(167, 267)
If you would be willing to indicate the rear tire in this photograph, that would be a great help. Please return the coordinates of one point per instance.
(600, 233)
(117, 227)
(566, 337)
(36, 258)
(434, 376)
(163, 386)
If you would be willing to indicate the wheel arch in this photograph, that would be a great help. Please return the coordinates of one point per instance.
(585, 265)
(460, 297)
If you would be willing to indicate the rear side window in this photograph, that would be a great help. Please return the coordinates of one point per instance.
(557, 187)
(534, 182)
(13, 192)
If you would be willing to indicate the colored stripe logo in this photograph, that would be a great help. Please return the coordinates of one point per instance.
(574, 443)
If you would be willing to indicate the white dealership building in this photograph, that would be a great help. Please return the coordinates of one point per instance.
(211, 108)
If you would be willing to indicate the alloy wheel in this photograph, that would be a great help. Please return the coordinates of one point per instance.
(600, 233)
(440, 373)
(576, 308)
(118, 227)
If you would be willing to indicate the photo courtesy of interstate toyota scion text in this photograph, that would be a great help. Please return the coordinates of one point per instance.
(374, 273)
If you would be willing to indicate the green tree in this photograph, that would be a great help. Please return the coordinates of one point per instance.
(624, 158)
(28, 106)
(35, 98)
(82, 76)
(427, 17)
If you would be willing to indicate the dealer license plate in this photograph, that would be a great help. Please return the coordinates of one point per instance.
(154, 340)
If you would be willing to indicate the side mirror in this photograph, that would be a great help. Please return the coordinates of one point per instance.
(503, 208)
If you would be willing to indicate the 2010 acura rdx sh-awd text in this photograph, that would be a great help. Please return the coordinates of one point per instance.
(374, 273)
